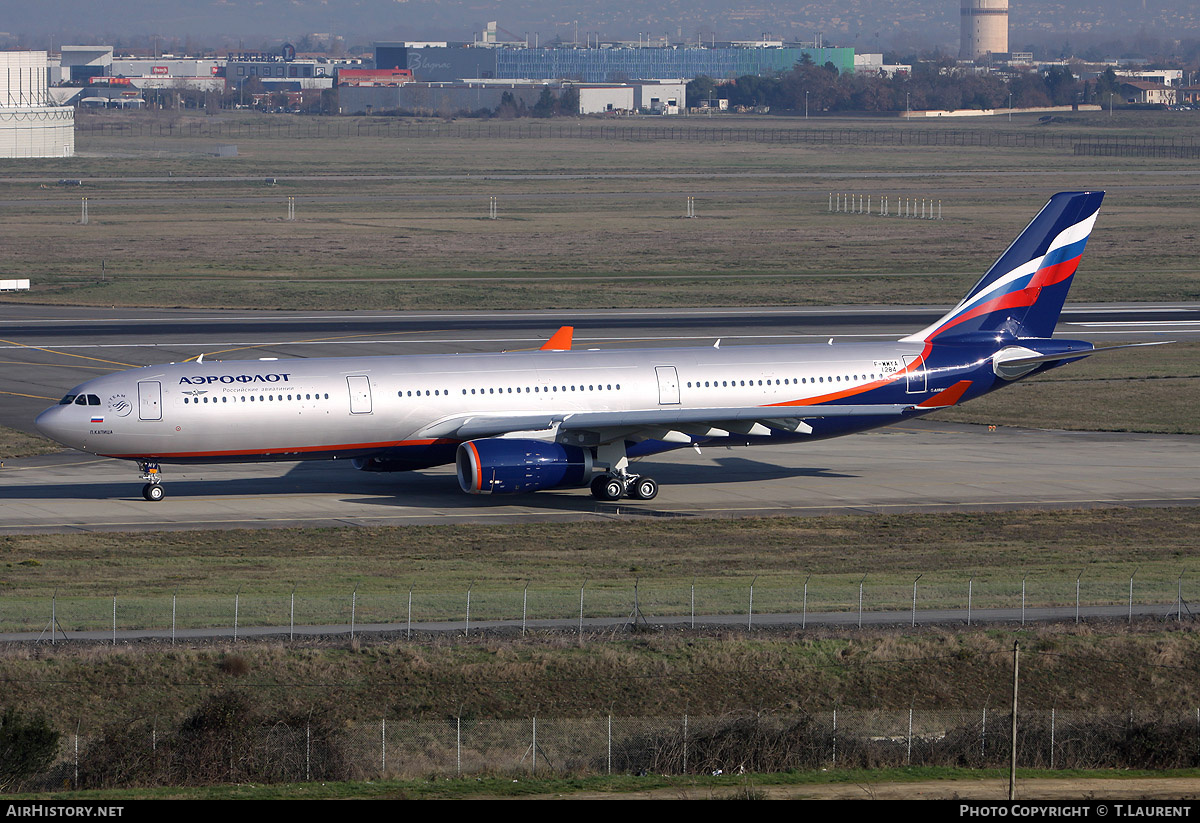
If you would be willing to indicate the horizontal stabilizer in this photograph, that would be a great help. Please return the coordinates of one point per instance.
(1018, 361)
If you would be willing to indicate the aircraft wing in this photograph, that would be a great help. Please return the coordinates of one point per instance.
(672, 424)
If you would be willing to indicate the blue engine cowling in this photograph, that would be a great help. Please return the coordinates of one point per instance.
(499, 466)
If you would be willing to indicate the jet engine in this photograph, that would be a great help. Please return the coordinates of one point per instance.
(500, 466)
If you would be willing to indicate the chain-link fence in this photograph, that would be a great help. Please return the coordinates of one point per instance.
(147, 753)
(804, 599)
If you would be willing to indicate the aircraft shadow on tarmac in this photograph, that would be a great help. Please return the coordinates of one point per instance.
(441, 491)
(438, 489)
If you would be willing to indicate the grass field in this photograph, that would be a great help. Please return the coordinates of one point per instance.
(15, 443)
(1145, 390)
(384, 222)
(1093, 667)
(324, 567)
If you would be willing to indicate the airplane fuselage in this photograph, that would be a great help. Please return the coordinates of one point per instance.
(251, 410)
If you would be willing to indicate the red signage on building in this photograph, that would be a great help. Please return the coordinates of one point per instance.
(159, 70)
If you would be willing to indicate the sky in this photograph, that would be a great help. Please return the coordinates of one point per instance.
(868, 25)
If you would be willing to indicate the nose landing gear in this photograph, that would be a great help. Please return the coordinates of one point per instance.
(153, 490)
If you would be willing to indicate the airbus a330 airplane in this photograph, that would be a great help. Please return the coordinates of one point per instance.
(524, 421)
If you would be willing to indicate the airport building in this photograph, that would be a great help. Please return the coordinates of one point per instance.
(599, 64)
(31, 125)
(446, 99)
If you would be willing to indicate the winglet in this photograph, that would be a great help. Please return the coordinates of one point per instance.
(949, 397)
(561, 340)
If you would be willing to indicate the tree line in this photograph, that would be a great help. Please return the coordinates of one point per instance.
(937, 85)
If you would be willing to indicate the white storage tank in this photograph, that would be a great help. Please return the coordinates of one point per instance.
(30, 124)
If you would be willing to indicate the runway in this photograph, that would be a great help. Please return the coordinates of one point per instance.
(918, 466)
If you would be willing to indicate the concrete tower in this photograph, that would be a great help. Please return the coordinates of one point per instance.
(984, 28)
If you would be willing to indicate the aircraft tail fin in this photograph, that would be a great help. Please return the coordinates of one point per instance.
(1023, 292)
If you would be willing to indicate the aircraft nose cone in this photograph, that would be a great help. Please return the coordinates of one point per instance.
(51, 423)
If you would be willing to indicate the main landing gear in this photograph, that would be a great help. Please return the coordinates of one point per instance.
(617, 481)
(153, 490)
(611, 487)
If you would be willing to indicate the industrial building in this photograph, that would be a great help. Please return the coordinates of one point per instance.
(599, 64)
(30, 124)
(984, 29)
(446, 99)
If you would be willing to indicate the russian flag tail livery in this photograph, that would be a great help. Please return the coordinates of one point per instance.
(1023, 292)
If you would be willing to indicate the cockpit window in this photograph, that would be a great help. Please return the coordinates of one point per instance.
(93, 400)
(81, 400)
(68, 400)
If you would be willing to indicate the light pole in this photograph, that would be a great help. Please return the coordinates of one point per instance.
(806, 105)
(907, 104)
(1010, 107)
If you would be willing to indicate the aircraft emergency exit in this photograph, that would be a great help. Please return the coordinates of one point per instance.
(553, 418)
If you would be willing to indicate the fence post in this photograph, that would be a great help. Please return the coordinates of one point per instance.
(1052, 719)
(750, 612)
(860, 600)
(685, 742)
(1135, 571)
(353, 609)
(174, 595)
(693, 602)
(1012, 766)
(610, 739)
(410, 588)
(908, 760)
(1077, 595)
(524, 607)
(114, 618)
(292, 613)
(236, 605)
(581, 588)
(458, 744)
(804, 607)
(914, 606)
(970, 593)
(834, 764)
(983, 740)
(1023, 599)
(467, 632)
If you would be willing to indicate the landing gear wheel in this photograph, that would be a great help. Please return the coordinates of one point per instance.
(606, 487)
(644, 488)
(153, 492)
